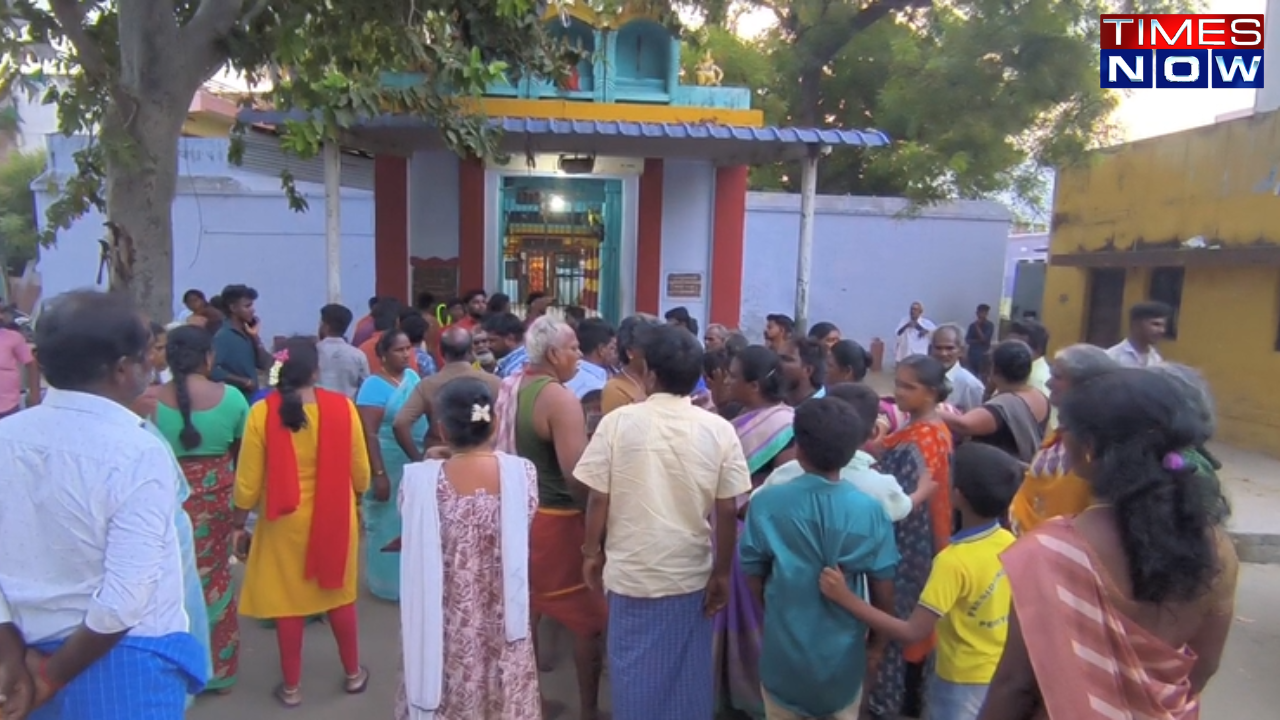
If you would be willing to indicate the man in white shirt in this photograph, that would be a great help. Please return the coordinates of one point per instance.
(1148, 323)
(656, 471)
(599, 345)
(92, 569)
(912, 335)
(16, 685)
(967, 391)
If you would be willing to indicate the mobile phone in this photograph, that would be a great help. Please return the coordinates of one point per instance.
(253, 322)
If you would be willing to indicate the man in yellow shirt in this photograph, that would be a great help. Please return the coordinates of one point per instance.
(967, 596)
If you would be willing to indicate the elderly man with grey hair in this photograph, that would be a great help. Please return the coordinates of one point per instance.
(946, 345)
(541, 420)
(715, 336)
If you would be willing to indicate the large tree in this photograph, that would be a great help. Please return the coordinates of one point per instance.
(128, 70)
(977, 95)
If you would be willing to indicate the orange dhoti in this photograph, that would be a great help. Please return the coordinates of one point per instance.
(556, 583)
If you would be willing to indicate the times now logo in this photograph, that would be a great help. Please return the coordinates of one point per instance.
(1182, 51)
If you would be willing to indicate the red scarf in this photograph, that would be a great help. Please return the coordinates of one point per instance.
(328, 541)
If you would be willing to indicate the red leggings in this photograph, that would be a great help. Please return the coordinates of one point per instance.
(346, 631)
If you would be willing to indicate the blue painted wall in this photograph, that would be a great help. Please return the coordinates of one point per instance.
(231, 226)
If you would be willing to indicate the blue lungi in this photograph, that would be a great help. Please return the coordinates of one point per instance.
(142, 678)
(660, 658)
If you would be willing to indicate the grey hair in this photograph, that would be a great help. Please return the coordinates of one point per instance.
(717, 328)
(1082, 362)
(953, 328)
(1195, 390)
(543, 335)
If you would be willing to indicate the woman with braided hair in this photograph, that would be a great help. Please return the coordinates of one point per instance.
(203, 421)
(302, 463)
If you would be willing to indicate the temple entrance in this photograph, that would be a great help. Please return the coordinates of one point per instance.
(562, 236)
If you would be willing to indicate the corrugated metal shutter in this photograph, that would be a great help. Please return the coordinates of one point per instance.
(262, 154)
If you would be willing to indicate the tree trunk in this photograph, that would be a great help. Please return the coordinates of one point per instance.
(141, 176)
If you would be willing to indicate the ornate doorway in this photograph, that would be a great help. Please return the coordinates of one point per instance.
(562, 237)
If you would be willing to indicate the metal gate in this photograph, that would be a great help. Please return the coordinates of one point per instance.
(563, 246)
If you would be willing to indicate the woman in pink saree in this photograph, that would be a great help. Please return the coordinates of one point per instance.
(1123, 610)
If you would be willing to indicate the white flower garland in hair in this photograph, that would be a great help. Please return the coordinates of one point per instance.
(273, 377)
(481, 413)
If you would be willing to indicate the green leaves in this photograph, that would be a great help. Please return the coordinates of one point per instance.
(978, 95)
(325, 58)
(19, 237)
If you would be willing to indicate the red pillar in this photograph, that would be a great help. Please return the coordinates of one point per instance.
(728, 245)
(470, 225)
(649, 239)
(390, 228)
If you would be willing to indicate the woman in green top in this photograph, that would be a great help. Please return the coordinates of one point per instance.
(203, 422)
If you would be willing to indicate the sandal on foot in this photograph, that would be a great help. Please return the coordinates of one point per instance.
(357, 684)
(289, 697)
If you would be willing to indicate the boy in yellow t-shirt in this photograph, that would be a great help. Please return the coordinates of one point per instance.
(967, 596)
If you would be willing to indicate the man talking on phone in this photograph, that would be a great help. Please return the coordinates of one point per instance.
(238, 354)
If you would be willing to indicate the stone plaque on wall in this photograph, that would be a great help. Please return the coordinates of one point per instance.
(436, 276)
(684, 286)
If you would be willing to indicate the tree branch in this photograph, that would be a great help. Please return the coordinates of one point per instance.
(71, 15)
(861, 20)
(211, 22)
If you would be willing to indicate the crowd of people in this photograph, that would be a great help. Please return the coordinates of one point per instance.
(737, 530)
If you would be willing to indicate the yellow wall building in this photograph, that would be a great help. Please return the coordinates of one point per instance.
(1191, 219)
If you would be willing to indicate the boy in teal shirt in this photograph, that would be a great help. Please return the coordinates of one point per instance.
(967, 596)
(814, 654)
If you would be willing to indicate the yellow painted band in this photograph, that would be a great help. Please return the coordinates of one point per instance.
(554, 109)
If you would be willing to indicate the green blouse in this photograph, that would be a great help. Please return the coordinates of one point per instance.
(220, 426)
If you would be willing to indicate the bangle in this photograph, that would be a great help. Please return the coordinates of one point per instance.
(380, 473)
(42, 673)
(588, 552)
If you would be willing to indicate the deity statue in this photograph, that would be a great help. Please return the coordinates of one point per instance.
(707, 72)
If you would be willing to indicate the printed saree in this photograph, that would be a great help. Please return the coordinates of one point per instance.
(1091, 661)
(916, 450)
(764, 434)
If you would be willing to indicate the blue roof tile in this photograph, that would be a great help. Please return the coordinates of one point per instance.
(706, 138)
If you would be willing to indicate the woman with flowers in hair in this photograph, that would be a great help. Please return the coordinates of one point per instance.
(1124, 609)
(302, 462)
(464, 594)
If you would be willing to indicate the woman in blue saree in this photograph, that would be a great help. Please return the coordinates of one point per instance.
(379, 400)
(764, 427)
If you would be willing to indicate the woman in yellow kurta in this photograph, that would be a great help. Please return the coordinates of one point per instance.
(302, 463)
(1050, 488)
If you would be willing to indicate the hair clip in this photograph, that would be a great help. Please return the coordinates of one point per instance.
(1173, 462)
(481, 413)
